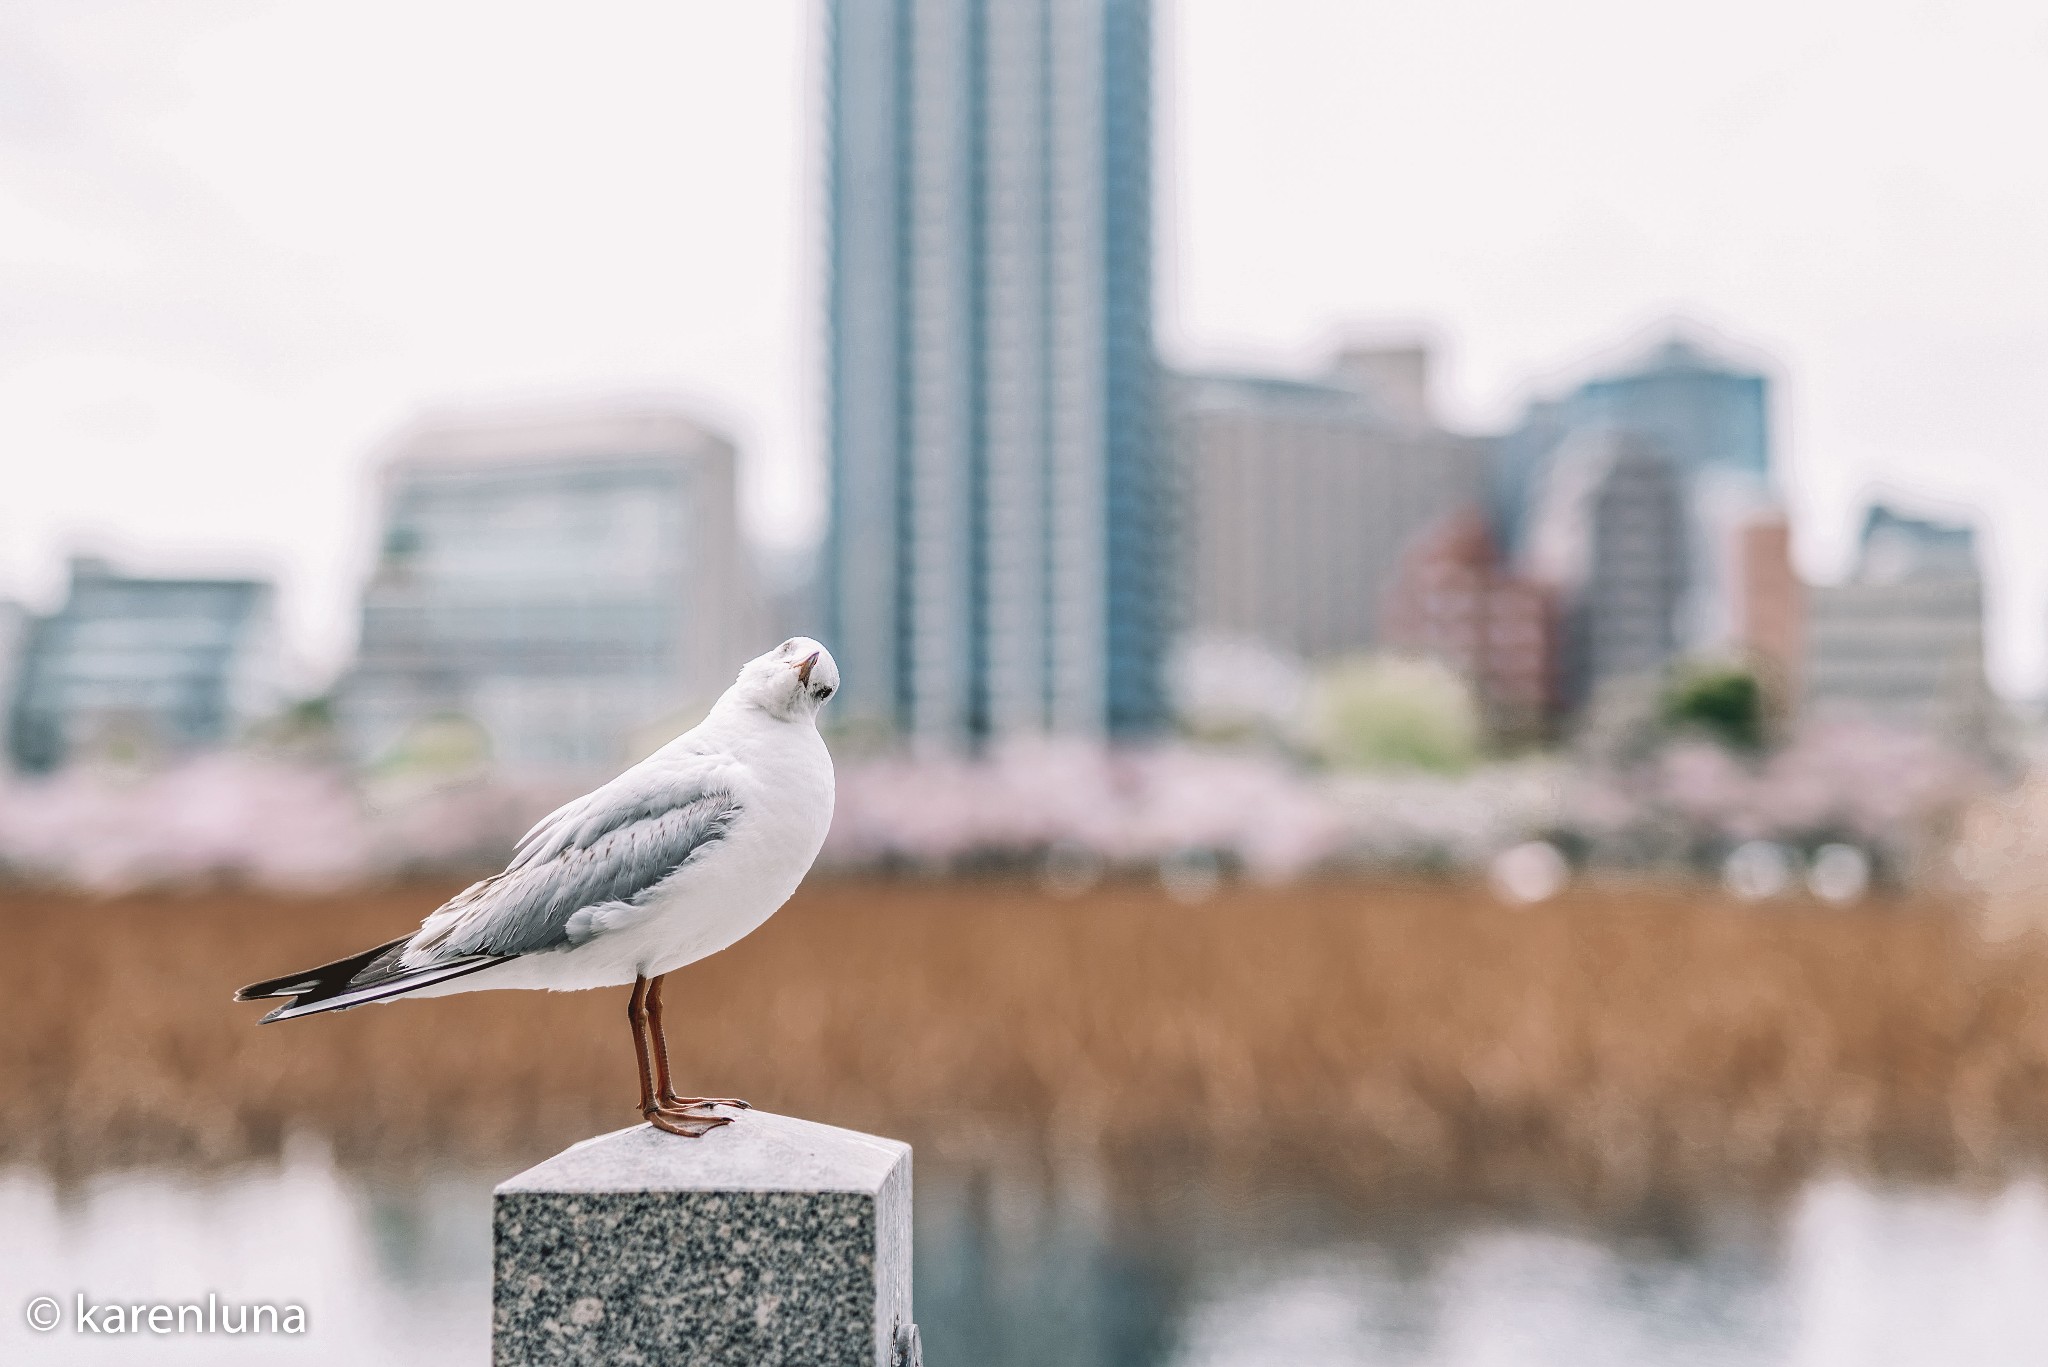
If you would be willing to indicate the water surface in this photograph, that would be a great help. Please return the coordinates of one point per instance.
(1033, 1265)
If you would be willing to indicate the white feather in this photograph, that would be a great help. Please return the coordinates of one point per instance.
(759, 746)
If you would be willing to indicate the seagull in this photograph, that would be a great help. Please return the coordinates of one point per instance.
(680, 856)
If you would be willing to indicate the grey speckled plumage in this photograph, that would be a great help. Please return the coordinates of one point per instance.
(606, 849)
(599, 851)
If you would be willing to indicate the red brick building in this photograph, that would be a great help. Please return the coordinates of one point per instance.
(1771, 606)
(1454, 600)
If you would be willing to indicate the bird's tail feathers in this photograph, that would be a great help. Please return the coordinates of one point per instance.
(372, 975)
(313, 979)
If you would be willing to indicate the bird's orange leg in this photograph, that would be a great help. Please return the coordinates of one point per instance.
(666, 1092)
(674, 1121)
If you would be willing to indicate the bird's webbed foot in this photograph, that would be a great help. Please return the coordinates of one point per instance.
(671, 1102)
(690, 1124)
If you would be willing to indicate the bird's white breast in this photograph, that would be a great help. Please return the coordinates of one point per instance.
(728, 890)
(781, 776)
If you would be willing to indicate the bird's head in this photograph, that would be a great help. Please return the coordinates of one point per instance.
(791, 681)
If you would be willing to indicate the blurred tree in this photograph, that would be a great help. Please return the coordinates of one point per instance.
(303, 731)
(1724, 702)
(444, 744)
(1378, 712)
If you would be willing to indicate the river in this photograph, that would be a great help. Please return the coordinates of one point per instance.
(1034, 1263)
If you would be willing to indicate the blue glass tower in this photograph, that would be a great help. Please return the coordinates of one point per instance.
(1703, 415)
(996, 561)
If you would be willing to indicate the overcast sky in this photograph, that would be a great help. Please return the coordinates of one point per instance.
(242, 240)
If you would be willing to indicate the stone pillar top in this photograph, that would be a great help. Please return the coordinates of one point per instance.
(769, 1242)
(759, 1151)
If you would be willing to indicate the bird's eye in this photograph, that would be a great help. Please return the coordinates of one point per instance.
(824, 693)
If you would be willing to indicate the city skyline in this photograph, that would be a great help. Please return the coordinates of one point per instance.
(221, 316)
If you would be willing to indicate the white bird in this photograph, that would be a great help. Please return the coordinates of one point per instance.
(683, 854)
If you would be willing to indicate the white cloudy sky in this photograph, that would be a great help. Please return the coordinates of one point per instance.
(242, 240)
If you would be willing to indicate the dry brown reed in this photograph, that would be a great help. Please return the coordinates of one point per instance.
(1617, 1040)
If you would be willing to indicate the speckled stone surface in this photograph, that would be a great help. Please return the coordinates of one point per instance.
(770, 1242)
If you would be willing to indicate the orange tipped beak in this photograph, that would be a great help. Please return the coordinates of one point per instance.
(803, 671)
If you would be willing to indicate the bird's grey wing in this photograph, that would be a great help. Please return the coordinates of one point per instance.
(613, 846)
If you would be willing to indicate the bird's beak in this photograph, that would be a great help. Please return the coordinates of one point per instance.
(803, 671)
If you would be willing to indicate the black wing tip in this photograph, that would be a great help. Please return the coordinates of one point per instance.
(293, 998)
(312, 999)
(325, 981)
(289, 1008)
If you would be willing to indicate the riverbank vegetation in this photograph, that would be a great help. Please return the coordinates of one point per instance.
(1618, 1039)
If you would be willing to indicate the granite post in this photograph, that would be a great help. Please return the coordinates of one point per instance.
(770, 1242)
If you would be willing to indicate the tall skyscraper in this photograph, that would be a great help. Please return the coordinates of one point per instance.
(997, 558)
(565, 580)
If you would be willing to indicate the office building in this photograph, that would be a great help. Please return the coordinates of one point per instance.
(1609, 536)
(1771, 599)
(15, 621)
(1702, 413)
(998, 553)
(137, 668)
(1457, 602)
(1710, 419)
(1298, 497)
(1902, 640)
(565, 580)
